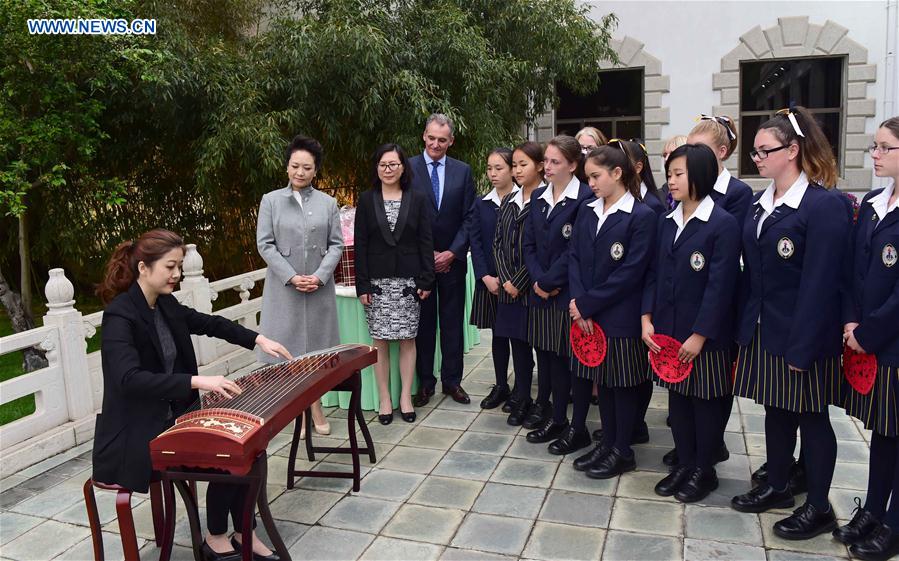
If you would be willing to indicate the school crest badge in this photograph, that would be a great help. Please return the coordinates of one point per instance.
(785, 248)
(616, 251)
(697, 261)
(889, 255)
(566, 231)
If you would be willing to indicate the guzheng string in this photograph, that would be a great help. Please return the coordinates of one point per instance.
(264, 401)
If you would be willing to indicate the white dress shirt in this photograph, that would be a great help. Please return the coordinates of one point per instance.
(624, 204)
(702, 212)
(722, 182)
(881, 202)
(570, 192)
(792, 198)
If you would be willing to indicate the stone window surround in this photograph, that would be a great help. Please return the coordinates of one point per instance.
(795, 37)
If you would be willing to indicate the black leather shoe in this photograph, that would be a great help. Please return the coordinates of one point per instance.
(210, 555)
(641, 434)
(256, 557)
(881, 544)
(698, 486)
(497, 395)
(581, 463)
(458, 394)
(611, 465)
(519, 413)
(385, 419)
(422, 397)
(571, 441)
(548, 431)
(511, 402)
(668, 486)
(763, 498)
(597, 435)
(408, 417)
(760, 476)
(537, 415)
(806, 522)
(670, 459)
(859, 528)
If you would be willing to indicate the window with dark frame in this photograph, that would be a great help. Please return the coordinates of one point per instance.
(615, 108)
(770, 85)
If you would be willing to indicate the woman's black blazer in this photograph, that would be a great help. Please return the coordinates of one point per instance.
(406, 252)
(137, 393)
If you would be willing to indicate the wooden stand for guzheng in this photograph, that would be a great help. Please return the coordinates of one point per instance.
(225, 441)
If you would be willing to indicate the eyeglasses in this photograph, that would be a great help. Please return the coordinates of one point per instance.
(883, 149)
(392, 166)
(763, 154)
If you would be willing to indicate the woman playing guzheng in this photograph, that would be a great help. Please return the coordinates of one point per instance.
(150, 374)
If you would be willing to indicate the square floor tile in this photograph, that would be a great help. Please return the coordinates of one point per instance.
(483, 443)
(495, 534)
(580, 509)
(723, 525)
(361, 514)
(425, 523)
(13, 525)
(414, 460)
(390, 485)
(526, 472)
(456, 554)
(651, 517)
(466, 465)
(639, 485)
(391, 549)
(559, 541)
(389, 434)
(521, 448)
(706, 550)
(303, 505)
(45, 541)
(510, 500)
(492, 422)
(330, 543)
(573, 480)
(430, 437)
(444, 419)
(447, 492)
(623, 546)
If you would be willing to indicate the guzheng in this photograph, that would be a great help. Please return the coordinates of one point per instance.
(228, 434)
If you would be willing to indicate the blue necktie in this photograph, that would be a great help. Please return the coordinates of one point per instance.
(435, 182)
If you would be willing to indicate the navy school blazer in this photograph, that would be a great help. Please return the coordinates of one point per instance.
(792, 278)
(873, 299)
(691, 282)
(546, 245)
(607, 269)
(736, 201)
(481, 231)
(447, 223)
(655, 203)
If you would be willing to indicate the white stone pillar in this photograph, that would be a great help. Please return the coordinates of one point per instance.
(72, 344)
(198, 296)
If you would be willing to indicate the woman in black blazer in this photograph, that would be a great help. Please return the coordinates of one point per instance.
(150, 374)
(394, 269)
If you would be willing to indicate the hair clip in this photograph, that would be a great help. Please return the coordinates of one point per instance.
(721, 121)
(792, 117)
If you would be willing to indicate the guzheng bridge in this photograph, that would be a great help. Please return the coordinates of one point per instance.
(457, 484)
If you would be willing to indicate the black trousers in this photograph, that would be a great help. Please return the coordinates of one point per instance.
(618, 410)
(559, 376)
(522, 362)
(698, 428)
(819, 450)
(446, 302)
(883, 480)
(223, 499)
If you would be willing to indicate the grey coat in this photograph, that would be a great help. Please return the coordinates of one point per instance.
(299, 241)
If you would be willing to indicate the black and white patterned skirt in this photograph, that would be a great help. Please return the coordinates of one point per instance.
(394, 310)
(879, 410)
(710, 378)
(625, 366)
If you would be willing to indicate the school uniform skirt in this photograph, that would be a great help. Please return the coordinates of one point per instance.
(768, 380)
(712, 376)
(512, 319)
(626, 364)
(549, 329)
(879, 410)
(483, 308)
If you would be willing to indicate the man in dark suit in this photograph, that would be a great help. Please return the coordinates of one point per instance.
(449, 187)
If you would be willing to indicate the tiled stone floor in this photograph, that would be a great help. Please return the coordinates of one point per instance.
(460, 484)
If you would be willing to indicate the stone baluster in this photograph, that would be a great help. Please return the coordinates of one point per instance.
(198, 295)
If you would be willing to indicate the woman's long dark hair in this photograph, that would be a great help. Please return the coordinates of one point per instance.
(121, 269)
(405, 177)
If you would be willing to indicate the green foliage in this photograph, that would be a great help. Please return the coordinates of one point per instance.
(107, 136)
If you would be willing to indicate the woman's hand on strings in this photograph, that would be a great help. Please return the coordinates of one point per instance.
(218, 384)
(273, 348)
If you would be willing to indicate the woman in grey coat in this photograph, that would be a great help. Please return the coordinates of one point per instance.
(298, 235)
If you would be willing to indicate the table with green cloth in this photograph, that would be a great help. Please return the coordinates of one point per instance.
(354, 329)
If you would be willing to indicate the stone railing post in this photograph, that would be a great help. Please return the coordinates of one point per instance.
(198, 296)
(72, 344)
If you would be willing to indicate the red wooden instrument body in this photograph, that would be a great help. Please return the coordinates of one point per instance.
(227, 438)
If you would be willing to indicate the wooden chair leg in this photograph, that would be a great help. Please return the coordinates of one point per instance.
(126, 525)
(156, 508)
(90, 501)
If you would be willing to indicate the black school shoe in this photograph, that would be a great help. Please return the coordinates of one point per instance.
(512, 401)
(571, 441)
(806, 522)
(581, 463)
(519, 413)
(798, 481)
(859, 528)
(672, 482)
(763, 498)
(538, 414)
(611, 465)
(698, 486)
(549, 430)
(880, 545)
(497, 395)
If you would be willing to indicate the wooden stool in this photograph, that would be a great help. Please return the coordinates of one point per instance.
(123, 513)
(353, 384)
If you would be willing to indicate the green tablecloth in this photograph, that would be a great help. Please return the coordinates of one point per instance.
(354, 329)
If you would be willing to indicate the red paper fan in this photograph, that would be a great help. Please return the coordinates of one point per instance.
(665, 362)
(860, 370)
(590, 350)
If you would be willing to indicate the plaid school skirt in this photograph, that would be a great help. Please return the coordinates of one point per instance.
(626, 364)
(549, 329)
(483, 308)
(879, 410)
(712, 376)
(768, 380)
